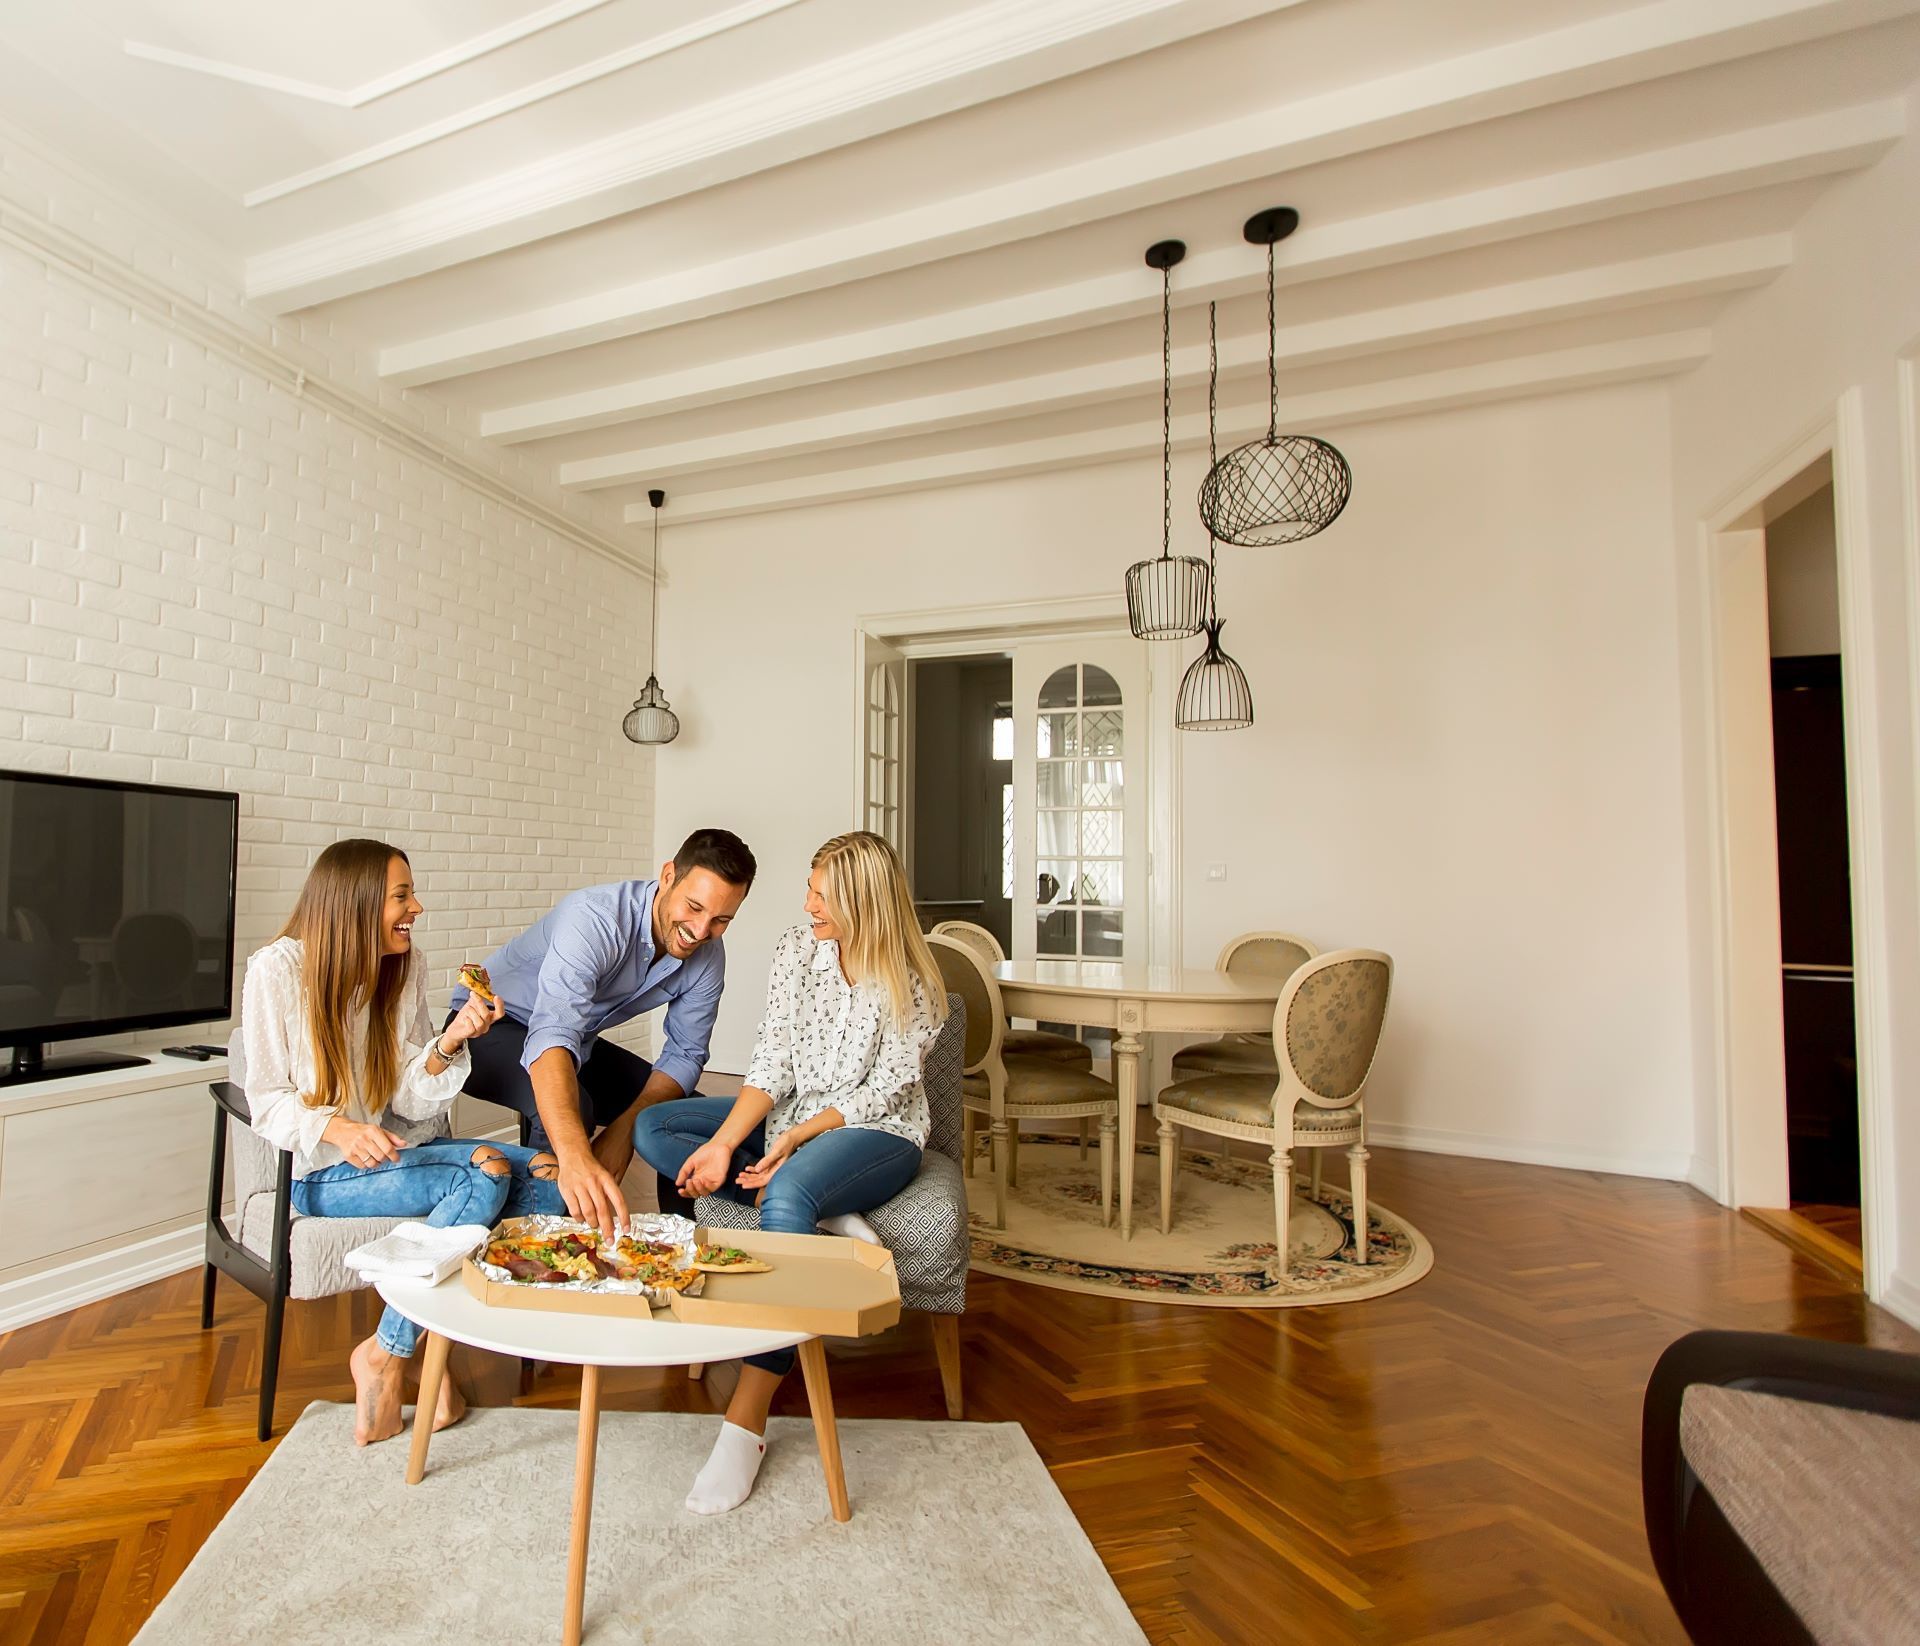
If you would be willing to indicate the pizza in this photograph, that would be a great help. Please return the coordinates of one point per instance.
(655, 1263)
(722, 1260)
(476, 979)
(552, 1259)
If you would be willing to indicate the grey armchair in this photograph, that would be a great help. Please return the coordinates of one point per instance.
(925, 1224)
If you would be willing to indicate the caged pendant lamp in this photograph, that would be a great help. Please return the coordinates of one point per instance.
(1286, 486)
(1214, 694)
(1167, 597)
(651, 719)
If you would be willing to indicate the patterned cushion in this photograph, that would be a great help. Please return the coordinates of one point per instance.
(1228, 1057)
(1247, 1100)
(1062, 1048)
(1034, 1082)
(925, 1224)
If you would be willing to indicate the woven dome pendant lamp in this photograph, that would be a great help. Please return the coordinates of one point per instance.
(1214, 694)
(651, 719)
(1286, 486)
(1167, 597)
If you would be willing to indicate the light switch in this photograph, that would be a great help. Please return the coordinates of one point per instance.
(1216, 871)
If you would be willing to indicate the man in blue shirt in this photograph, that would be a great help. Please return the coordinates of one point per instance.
(603, 956)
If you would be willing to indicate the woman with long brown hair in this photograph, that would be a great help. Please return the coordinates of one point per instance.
(832, 1116)
(344, 1071)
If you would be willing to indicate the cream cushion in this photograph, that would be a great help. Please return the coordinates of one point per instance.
(1247, 1100)
(1039, 1080)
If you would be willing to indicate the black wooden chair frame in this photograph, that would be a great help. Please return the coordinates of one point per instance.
(267, 1281)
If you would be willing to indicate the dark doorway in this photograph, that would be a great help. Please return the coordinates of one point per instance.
(1816, 933)
(962, 776)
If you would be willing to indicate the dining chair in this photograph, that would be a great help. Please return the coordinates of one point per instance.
(1008, 1090)
(1251, 954)
(1062, 1048)
(1326, 1029)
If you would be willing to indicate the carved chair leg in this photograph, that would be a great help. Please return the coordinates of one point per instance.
(999, 1174)
(1013, 1154)
(1169, 1161)
(1318, 1156)
(1086, 1123)
(970, 1125)
(1109, 1124)
(1282, 1162)
(1357, 1158)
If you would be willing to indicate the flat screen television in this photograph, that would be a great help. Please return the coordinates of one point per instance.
(116, 914)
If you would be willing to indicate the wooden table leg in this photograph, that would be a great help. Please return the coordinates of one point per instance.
(813, 1363)
(432, 1371)
(1126, 1081)
(582, 1503)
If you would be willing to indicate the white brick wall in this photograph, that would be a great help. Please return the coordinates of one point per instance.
(207, 580)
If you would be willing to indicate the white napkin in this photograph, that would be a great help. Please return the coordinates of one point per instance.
(417, 1251)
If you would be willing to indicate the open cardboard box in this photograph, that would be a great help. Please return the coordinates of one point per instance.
(823, 1285)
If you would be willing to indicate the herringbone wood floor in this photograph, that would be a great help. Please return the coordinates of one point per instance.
(1458, 1462)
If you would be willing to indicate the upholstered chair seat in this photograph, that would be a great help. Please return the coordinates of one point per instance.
(1062, 1048)
(1247, 1100)
(1251, 954)
(1228, 1057)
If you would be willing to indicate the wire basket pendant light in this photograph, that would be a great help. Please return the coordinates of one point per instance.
(651, 719)
(1166, 597)
(1214, 694)
(1286, 486)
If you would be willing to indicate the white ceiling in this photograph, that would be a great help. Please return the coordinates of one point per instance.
(769, 252)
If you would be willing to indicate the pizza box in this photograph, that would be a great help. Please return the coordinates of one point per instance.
(823, 1285)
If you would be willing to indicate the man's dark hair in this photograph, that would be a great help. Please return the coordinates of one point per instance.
(718, 851)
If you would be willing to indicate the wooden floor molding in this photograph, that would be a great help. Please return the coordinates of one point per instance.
(1454, 1463)
(1810, 1239)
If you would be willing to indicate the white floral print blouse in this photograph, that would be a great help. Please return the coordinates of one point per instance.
(278, 1056)
(829, 1044)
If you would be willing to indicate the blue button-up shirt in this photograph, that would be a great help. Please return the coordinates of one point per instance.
(591, 965)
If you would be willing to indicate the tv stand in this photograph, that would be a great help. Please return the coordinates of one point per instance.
(30, 1062)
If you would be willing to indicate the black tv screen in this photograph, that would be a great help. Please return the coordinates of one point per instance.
(116, 906)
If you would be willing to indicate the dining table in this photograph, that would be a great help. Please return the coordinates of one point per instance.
(1135, 1000)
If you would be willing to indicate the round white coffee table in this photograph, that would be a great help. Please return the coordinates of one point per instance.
(450, 1314)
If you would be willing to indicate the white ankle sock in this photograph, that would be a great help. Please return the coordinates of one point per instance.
(851, 1224)
(730, 1471)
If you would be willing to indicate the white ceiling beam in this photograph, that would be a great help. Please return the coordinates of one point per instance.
(1555, 372)
(1672, 277)
(987, 52)
(1752, 158)
(1650, 41)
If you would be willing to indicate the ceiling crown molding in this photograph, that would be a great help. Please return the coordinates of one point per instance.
(508, 34)
(989, 52)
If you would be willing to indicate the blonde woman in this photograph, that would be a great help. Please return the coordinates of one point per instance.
(832, 1116)
(344, 1071)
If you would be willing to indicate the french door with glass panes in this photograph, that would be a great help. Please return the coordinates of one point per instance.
(1080, 815)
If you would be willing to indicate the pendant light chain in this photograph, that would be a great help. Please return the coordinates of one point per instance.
(1213, 455)
(1273, 359)
(653, 588)
(1166, 400)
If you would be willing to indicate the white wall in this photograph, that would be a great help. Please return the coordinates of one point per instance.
(1830, 333)
(1803, 583)
(207, 580)
(1465, 748)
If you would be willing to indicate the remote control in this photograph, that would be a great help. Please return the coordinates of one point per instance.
(198, 1053)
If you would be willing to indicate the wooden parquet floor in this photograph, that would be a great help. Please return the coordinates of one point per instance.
(1454, 1463)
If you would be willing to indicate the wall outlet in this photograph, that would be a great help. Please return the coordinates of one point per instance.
(1216, 871)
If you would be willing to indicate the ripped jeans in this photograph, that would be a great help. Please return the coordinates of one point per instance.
(449, 1181)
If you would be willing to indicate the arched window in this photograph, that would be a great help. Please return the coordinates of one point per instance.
(883, 753)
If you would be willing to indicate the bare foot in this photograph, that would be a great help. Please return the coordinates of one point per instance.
(452, 1405)
(376, 1393)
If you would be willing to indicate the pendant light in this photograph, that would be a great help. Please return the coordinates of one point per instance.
(651, 719)
(1214, 694)
(1286, 486)
(1167, 597)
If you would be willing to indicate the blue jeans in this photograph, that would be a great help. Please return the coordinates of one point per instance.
(439, 1183)
(849, 1169)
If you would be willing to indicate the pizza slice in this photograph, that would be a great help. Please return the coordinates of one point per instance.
(729, 1260)
(475, 978)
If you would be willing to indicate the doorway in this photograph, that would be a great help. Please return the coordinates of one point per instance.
(1794, 1086)
(961, 738)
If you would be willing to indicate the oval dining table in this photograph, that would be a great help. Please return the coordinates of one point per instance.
(1134, 1001)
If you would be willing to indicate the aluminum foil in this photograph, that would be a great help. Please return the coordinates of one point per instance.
(658, 1228)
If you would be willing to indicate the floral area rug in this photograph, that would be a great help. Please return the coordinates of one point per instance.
(1220, 1251)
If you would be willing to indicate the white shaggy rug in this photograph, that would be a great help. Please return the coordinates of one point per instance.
(958, 1533)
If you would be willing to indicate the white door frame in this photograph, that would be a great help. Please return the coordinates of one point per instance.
(967, 631)
(1750, 1089)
